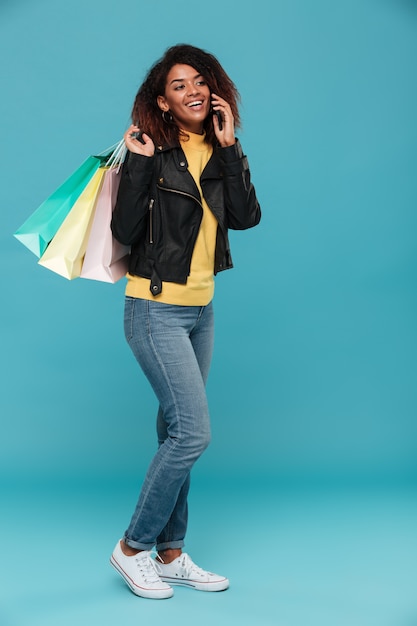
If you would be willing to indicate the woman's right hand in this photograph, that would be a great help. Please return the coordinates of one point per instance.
(133, 145)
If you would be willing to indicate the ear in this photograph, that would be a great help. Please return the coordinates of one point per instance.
(162, 103)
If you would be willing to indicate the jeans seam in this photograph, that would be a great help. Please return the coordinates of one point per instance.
(163, 370)
(151, 483)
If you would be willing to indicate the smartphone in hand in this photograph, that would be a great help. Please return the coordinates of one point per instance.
(219, 117)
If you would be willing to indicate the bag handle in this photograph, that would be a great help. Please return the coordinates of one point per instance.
(117, 156)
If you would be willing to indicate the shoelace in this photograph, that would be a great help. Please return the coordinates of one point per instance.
(190, 568)
(149, 568)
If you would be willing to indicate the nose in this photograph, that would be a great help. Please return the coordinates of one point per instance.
(192, 89)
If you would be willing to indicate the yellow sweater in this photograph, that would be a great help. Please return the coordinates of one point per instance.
(199, 289)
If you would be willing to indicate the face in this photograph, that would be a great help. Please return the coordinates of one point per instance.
(187, 98)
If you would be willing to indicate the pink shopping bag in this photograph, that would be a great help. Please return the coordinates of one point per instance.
(105, 258)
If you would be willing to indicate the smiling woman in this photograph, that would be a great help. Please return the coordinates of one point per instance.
(187, 98)
(185, 181)
(183, 76)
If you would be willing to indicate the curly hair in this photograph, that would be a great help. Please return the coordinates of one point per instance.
(146, 113)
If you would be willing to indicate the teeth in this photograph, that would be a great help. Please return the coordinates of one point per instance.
(196, 103)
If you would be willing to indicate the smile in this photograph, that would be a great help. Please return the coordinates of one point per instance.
(196, 103)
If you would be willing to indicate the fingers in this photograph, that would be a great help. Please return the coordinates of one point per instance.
(129, 134)
(220, 104)
(139, 143)
(225, 132)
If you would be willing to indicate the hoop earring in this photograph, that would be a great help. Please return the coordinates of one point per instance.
(170, 119)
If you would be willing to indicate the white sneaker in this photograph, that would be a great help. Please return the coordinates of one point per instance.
(141, 574)
(182, 571)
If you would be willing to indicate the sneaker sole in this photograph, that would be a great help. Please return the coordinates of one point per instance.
(220, 585)
(154, 594)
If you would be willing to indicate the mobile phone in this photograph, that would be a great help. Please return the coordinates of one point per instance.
(219, 118)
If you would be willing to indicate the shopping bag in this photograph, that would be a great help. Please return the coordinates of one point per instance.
(65, 253)
(39, 229)
(105, 258)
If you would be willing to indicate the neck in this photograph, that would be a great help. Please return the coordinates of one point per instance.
(197, 130)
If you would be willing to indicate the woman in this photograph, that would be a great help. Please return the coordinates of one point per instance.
(185, 181)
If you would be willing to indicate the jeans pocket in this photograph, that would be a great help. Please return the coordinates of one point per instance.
(129, 317)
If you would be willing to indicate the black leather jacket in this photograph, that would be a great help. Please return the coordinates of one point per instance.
(158, 210)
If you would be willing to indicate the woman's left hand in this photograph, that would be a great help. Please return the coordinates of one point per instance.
(226, 136)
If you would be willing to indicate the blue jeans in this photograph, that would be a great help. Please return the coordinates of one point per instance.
(173, 345)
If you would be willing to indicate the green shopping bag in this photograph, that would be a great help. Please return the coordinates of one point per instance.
(40, 228)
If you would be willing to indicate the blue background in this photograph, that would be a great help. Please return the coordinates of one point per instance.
(313, 387)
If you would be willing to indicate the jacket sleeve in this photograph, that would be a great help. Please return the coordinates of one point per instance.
(242, 207)
(130, 215)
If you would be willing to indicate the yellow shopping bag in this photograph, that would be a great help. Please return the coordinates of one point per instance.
(65, 253)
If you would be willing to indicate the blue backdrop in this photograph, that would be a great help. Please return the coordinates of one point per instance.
(315, 364)
(314, 373)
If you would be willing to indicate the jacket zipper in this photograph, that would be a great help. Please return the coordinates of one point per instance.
(183, 193)
(189, 195)
(151, 203)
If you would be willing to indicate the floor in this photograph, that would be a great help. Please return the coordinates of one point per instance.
(296, 556)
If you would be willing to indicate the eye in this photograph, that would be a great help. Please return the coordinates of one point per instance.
(201, 82)
(178, 87)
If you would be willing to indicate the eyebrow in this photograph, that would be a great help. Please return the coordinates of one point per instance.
(181, 80)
